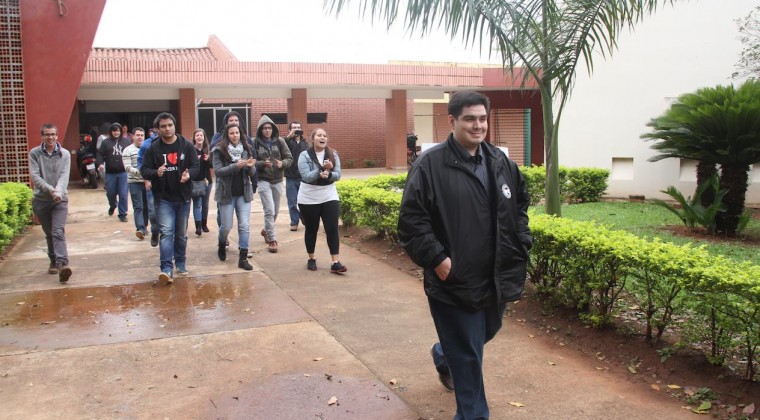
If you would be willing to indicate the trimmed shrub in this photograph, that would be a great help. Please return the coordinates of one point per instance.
(15, 210)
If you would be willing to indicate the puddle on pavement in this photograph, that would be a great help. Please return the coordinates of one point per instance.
(94, 315)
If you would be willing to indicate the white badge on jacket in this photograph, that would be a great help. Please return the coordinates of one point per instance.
(506, 191)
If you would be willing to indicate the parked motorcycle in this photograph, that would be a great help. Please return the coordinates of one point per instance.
(86, 161)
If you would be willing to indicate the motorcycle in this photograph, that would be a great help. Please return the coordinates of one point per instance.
(86, 162)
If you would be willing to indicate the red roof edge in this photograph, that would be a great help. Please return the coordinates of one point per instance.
(219, 50)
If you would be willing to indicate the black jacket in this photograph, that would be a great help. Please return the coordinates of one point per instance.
(445, 212)
(153, 160)
(295, 151)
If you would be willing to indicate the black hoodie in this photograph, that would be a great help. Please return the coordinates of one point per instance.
(110, 151)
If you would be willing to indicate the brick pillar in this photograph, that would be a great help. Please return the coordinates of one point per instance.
(297, 109)
(186, 122)
(395, 130)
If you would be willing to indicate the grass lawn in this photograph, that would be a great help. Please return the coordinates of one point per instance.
(649, 221)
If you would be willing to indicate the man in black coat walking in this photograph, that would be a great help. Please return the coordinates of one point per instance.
(463, 218)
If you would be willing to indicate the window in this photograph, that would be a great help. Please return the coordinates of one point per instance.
(277, 117)
(316, 118)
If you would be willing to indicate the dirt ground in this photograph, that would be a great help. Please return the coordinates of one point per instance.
(685, 375)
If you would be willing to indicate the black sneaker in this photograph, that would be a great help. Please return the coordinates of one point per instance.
(154, 239)
(311, 265)
(445, 378)
(111, 210)
(337, 267)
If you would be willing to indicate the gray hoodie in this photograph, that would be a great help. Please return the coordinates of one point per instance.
(272, 148)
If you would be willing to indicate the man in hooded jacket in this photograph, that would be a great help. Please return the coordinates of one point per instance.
(273, 158)
(110, 157)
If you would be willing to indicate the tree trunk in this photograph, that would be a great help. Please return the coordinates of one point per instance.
(705, 171)
(553, 201)
(733, 177)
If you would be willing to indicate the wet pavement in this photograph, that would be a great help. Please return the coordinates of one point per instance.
(279, 342)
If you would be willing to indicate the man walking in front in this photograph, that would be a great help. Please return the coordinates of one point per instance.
(296, 144)
(169, 164)
(49, 168)
(463, 218)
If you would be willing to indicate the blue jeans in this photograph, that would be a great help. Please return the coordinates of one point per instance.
(243, 210)
(139, 204)
(292, 185)
(463, 334)
(172, 222)
(116, 185)
(200, 205)
(152, 212)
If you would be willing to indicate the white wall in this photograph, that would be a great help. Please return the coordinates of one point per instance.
(681, 48)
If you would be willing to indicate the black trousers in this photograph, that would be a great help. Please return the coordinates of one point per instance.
(328, 212)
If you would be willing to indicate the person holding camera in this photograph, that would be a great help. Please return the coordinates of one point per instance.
(296, 144)
(273, 159)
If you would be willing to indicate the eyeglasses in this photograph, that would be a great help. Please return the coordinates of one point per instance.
(49, 134)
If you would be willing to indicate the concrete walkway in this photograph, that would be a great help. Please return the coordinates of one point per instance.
(275, 343)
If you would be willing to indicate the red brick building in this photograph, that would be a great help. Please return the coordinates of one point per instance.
(366, 109)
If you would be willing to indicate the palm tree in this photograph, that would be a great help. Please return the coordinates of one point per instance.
(719, 125)
(547, 38)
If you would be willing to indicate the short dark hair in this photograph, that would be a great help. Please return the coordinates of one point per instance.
(294, 122)
(138, 129)
(48, 126)
(164, 116)
(460, 100)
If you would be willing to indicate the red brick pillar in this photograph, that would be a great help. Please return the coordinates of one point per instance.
(395, 130)
(186, 122)
(297, 109)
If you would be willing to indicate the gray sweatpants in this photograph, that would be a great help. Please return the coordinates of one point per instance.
(271, 195)
(52, 217)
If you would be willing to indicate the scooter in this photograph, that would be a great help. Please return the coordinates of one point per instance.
(86, 162)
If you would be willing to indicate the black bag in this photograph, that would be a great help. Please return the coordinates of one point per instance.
(199, 189)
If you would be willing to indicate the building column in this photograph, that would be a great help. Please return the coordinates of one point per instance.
(186, 120)
(297, 108)
(395, 130)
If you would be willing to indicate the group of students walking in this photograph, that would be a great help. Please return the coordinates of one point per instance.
(168, 175)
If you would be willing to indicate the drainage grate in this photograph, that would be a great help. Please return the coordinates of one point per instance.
(14, 149)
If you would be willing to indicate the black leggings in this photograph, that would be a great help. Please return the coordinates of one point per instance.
(328, 212)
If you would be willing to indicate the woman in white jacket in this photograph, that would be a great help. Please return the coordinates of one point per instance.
(318, 198)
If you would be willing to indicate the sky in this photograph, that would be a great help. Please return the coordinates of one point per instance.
(273, 31)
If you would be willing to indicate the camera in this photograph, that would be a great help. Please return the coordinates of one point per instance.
(299, 132)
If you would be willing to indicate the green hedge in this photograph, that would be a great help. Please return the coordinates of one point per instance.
(588, 266)
(373, 203)
(15, 210)
(576, 185)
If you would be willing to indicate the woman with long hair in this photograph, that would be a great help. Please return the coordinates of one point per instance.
(318, 198)
(200, 204)
(235, 170)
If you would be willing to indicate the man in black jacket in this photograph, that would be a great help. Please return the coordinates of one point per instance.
(109, 158)
(296, 144)
(170, 163)
(463, 218)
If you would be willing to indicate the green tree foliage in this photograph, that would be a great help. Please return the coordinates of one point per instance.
(719, 125)
(542, 42)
